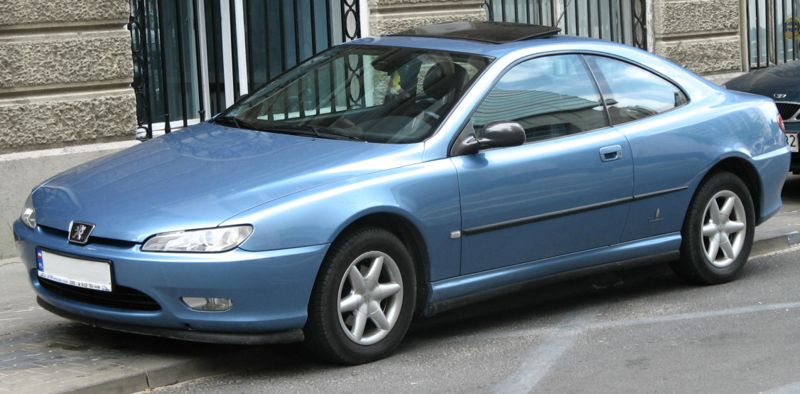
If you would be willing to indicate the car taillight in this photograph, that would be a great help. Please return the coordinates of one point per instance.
(780, 123)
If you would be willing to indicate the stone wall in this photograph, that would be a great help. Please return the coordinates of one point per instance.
(65, 73)
(701, 35)
(392, 16)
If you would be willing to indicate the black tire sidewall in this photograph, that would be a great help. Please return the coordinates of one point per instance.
(324, 329)
(695, 264)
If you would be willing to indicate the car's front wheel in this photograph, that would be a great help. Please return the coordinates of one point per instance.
(717, 232)
(363, 299)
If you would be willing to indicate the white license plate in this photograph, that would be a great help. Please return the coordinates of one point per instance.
(793, 146)
(88, 274)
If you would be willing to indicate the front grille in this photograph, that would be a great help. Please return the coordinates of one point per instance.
(121, 297)
(92, 240)
(788, 110)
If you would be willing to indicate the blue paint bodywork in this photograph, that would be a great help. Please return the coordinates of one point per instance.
(300, 193)
(779, 82)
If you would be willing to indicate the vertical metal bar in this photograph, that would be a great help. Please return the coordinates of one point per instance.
(783, 25)
(599, 20)
(297, 40)
(611, 19)
(164, 84)
(328, 17)
(621, 25)
(312, 5)
(241, 47)
(234, 48)
(227, 51)
(541, 14)
(248, 21)
(217, 60)
(794, 40)
(767, 30)
(758, 37)
(348, 92)
(182, 72)
(146, 71)
(267, 75)
(198, 63)
(516, 11)
(589, 17)
(503, 10)
(775, 30)
(300, 103)
(577, 21)
(282, 37)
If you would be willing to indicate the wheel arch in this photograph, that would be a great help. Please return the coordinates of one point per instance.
(745, 170)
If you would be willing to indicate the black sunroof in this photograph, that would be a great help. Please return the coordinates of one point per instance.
(493, 32)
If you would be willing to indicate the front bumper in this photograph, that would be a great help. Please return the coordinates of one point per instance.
(270, 290)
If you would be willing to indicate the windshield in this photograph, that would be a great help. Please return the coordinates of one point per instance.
(367, 93)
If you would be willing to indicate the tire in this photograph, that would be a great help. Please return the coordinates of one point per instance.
(356, 333)
(700, 262)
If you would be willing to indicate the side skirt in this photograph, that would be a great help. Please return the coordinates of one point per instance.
(462, 290)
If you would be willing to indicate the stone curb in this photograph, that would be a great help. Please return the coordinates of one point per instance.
(775, 244)
(240, 360)
(179, 371)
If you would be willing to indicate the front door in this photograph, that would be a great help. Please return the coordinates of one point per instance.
(566, 190)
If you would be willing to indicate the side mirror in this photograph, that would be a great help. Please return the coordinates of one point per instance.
(501, 134)
(493, 135)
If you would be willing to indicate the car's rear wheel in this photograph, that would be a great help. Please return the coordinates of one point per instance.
(363, 299)
(717, 232)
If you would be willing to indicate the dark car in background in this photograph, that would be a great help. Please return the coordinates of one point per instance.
(782, 84)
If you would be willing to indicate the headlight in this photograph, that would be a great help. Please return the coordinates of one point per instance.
(28, 215)
(219, 239)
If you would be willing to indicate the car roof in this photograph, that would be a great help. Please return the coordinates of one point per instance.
(489, 32)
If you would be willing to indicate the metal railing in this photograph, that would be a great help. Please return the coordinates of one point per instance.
(622, 21)
(193, 58)
(772, 31)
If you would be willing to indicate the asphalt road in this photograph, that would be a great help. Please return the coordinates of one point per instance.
(639, 330)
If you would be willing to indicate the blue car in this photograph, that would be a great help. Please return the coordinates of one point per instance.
(399, 176)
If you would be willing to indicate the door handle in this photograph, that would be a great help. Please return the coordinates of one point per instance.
(611, 153)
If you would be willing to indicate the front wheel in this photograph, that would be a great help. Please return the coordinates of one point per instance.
(364, 298)
(717, 232)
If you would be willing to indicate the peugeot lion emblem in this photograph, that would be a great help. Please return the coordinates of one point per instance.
(779, 95)
(79, 232)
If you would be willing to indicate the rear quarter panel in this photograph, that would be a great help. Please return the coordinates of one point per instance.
(677, 149)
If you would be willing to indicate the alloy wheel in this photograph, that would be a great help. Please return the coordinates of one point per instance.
(370, 297)
(724, 227)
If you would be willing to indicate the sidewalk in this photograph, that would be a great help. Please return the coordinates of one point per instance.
(43, 353)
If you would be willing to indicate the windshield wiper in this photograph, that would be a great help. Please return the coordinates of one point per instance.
(238, 123)
(318, 132)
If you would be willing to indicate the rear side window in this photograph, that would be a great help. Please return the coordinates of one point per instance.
(631, 92)
(549, 96)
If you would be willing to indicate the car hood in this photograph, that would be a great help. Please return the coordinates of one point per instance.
(782, 79)
(201, 176)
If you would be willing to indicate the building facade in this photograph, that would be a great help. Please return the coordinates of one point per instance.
(79, 79)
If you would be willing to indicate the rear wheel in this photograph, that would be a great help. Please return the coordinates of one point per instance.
(364, 298)
(717, 232)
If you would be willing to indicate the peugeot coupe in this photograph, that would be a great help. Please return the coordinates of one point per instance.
(394, 177)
